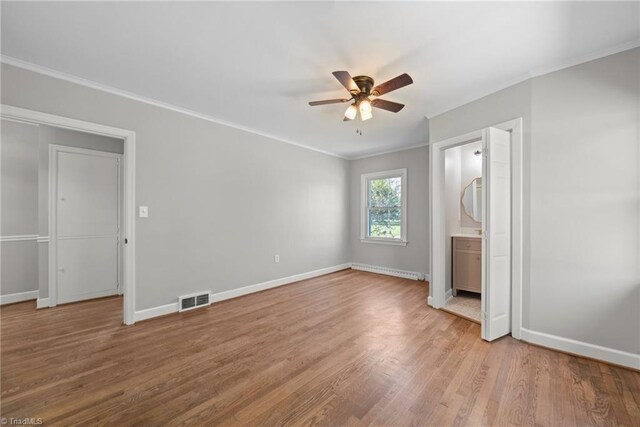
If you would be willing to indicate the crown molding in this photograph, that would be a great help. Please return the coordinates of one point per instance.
(395, 150)
(537, 72)
(19, 63)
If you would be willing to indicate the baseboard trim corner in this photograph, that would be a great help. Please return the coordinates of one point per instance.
(579, 348)
(447, 296)
(413, 275)
(18, 297)
(234, 293)
(42, 303)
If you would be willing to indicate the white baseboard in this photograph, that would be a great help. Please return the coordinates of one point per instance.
(18, 297)
(413, 275)
(580, 348)
(430, 301)
(42, 303)
(160, 310)
(234, 293)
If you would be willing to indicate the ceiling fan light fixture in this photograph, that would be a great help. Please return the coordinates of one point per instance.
(351, 112)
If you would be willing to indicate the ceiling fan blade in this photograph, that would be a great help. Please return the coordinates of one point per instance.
(328, 101)
(346, 80)
(394, 107)
(396, 83)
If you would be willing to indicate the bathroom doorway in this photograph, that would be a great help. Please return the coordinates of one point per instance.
(463, 230)
(476, 244)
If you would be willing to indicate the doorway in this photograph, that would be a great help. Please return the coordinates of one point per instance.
(126, 186)
(500, 237)
(463, 227)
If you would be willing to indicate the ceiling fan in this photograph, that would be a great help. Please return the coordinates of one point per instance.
(361, 90)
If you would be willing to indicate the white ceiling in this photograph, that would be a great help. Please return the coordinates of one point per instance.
(257, 64)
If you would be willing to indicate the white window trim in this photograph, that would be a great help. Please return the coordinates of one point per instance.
(364, 200)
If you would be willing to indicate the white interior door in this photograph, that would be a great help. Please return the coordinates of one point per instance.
(496, 244)
(87, 224)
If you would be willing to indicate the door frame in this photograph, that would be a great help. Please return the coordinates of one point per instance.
(129, 174)
(54, 149)
(437, 297)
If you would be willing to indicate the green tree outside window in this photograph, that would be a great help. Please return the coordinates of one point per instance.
(385, 207)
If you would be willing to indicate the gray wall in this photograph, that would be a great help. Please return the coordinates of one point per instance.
(414, 256)
(581, 196)
(48, 135)
(19, 193)
(221, 201)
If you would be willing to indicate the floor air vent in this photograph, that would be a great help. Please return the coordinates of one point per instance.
(189, 302)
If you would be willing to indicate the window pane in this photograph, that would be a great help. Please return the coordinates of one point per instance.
(385, 192)
(385, 222)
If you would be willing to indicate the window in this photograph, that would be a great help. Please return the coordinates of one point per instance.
(384, 207)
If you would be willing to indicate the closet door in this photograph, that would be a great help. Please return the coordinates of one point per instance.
(496, 251)
(87, 229)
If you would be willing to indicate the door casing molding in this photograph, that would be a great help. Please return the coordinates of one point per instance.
(437, 299)
(129, 259)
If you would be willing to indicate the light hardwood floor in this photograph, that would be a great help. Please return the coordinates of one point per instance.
(349, 348)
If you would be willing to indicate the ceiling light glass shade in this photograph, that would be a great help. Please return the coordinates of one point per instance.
(366, 115)
(351, 112)
(365, 110)
(365, 106)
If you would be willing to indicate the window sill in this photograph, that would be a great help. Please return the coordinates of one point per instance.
(393, 242)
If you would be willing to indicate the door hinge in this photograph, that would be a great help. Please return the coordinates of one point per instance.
(483, 315)
(126, 240)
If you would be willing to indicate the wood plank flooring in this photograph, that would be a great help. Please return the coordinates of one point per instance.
(349, 348)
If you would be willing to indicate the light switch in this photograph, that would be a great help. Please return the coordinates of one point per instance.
(144, 211)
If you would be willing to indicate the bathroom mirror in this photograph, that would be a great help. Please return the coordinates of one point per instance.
(472, 199)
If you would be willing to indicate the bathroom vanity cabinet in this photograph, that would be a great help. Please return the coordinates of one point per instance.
(467, 264)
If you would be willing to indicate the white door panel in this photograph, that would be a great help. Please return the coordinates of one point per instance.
(87, 224)
(87, 268)
(496, 251)
(87, 195)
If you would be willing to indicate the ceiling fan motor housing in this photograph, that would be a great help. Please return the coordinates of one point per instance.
(365, 83)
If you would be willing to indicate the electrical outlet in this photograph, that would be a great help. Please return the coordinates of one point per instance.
(276, 258)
